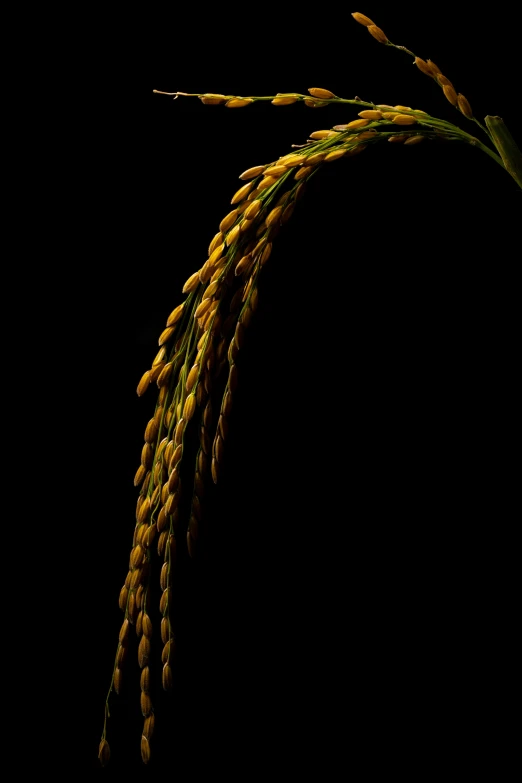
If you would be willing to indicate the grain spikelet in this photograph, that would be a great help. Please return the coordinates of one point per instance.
(121, 654)
(362, 19)
(173, 481)
(165, 631)
(145, 749)
(276, 171)
(284, 100)
(233, 235)
(464, 106)
(242, 193)
(124, 632)
(151, 431)
(377, 33)
(148, 727)
(189, 407)
(166, 677)
(147, 456)
(358, 123)
(147, 625)
(149, 535)
(237, 103)
(143, 385)
(145, 679)
(451, 95)
(318, 92)
(144, 512)
(139, 475)
(162, 540)
(370, 114)
(303, 172)
(191, 284)
(146, 704)
(137, 556)
(423, 66)
(229, 220)
(166, 599)
(218, 239)
(175, 315)
(404, 119)
(166, 335)
(266, 182)
(434, 68)
(104, 753)
(118, 679)
(211, 99)
(293, 159)
(176, 457)
(124, 594)
(162, 519)
(253, 210)
(143, 651)
(251, 173)
(192, 377)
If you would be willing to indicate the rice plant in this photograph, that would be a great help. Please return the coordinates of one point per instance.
(196, 368)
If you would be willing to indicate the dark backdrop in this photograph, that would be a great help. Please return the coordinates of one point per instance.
(353, 604)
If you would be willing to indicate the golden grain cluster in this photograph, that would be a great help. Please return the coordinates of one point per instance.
(195, 371)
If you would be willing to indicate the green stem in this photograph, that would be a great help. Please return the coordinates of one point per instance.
(507, 147)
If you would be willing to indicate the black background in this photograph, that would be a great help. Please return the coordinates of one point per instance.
(353, 604)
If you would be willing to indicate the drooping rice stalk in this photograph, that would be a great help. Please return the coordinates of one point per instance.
(204, 334)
